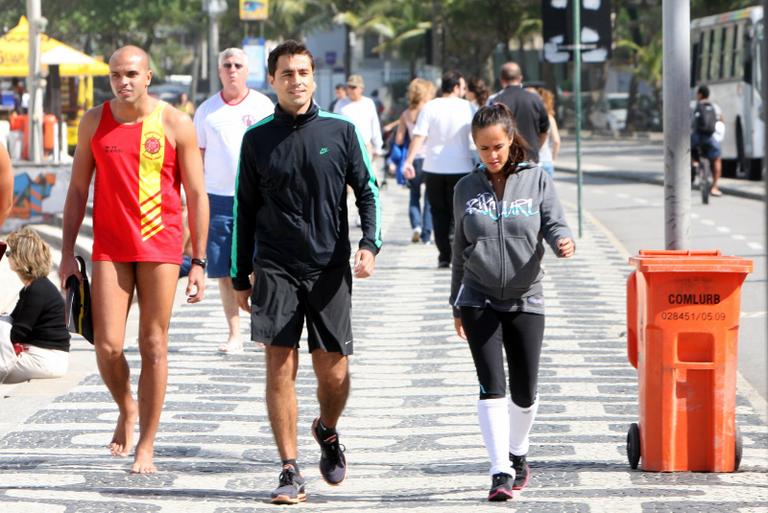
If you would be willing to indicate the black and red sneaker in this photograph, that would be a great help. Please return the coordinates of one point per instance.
(333, 464)
(522, 471)
(501, 488)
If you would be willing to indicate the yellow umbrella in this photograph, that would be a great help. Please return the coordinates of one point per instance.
(14, 51)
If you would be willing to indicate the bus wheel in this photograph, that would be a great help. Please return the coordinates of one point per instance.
(743, 169)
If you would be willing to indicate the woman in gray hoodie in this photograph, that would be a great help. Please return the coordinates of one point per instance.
(504, 210)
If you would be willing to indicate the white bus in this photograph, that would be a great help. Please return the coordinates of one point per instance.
(726, 56)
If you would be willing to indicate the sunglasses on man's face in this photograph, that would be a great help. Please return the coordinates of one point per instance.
(228, 65)
(351, 87)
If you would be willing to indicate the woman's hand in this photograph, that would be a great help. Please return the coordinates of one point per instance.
(566, 247)
(459, 328)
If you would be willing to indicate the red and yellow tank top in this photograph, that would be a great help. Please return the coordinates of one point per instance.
(136, 200)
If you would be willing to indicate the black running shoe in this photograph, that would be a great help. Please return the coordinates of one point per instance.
(333, 464)
(501, 488)
(522, 471)
(290, 489)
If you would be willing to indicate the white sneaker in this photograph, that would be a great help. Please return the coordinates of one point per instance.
(416, 235)
(234, 346)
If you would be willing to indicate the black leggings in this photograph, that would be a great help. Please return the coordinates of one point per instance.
(521, 334)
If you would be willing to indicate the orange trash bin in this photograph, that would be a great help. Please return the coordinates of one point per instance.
(682, 337)
(49, 131)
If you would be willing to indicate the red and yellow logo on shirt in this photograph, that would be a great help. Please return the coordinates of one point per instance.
(150, 169)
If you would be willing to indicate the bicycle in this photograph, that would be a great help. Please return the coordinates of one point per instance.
(701, 169)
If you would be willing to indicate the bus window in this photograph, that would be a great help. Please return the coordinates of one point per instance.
(747, 56)
(707, 54)
(758, 58)
(728, 51)
(695, 62)
(736, 58)
(700, 56)
(715, 54)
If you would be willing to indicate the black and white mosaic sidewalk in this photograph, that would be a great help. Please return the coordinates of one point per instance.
(410, 427)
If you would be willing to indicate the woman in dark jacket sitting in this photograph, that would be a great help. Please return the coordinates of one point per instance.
(34, 341)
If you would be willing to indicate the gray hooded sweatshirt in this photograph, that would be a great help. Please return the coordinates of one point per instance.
(497, 245)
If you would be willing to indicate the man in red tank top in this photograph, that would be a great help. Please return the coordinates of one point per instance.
(141, 151)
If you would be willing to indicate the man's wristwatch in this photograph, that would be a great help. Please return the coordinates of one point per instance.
(202, 262)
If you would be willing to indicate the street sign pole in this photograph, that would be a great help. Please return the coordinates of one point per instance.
(764, 66)
(577, 99)
(676, 23)
(35, 82)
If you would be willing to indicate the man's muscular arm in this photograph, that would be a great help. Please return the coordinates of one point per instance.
(77, 194)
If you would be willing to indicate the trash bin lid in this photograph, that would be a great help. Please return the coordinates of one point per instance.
(681, 260)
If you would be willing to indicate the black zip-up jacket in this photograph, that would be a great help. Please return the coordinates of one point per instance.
(291, 195)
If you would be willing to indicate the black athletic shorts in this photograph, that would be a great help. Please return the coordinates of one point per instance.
(280, 302)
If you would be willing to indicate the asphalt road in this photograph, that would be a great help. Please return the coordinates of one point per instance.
(634, 213)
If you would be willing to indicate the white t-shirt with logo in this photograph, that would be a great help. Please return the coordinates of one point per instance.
(446, 123)
(365, 118)
(220, 127)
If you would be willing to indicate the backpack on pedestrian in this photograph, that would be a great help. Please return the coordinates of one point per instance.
(704, 118)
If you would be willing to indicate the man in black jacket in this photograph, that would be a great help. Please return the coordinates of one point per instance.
(291, 232)
(531, 118)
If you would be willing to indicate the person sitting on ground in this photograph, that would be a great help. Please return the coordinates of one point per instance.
(34, 341)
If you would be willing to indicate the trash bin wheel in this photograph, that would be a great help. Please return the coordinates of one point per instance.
(737, 457)
(633, 445)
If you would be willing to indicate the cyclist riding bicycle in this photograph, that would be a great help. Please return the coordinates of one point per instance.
(704, 140)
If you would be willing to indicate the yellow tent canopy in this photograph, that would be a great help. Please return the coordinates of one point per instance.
(14, 52)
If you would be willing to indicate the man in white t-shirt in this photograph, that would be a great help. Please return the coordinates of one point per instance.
(443, 128)
(220, 123)
(362, 111)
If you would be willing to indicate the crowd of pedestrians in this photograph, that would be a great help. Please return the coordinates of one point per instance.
(256, 194)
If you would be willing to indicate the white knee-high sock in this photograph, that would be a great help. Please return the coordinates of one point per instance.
(520, 422)
(494, 424)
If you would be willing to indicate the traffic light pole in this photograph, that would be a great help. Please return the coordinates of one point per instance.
(577, 99)
(676, 26)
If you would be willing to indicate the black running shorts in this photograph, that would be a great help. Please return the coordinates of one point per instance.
(280, 302)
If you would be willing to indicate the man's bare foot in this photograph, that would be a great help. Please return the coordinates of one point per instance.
(142, 464)
(122, 439)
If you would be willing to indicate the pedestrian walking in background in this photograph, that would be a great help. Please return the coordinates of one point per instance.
(531, 119)
(504, 74)
(477, 92)
(551, 147)
(220, 123)
(6, 184)
(361, 110)
(291, 202)
(185, 105)
(504, 211)
(34, 341)
(141, 151)
(442, 129)
(340, 92)
(706, 115)
(420, 91)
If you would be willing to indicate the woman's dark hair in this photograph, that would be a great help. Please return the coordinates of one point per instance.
(499, 114)
(479, 89)
(289, 47)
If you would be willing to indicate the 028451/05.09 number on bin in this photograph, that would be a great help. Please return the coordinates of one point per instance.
(693, 316)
